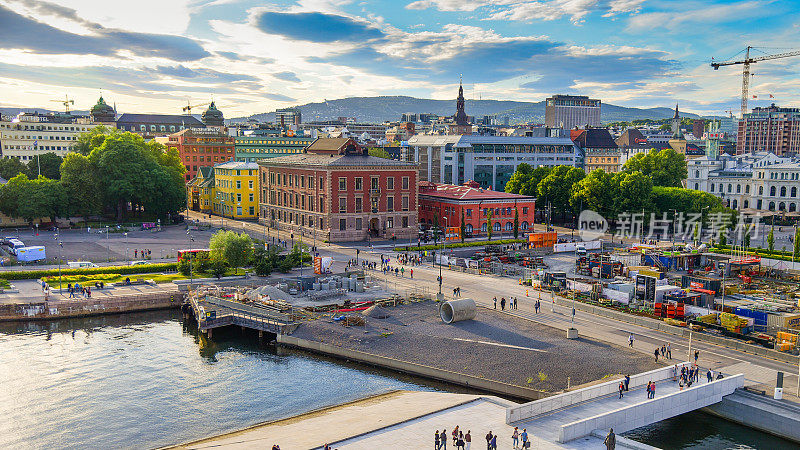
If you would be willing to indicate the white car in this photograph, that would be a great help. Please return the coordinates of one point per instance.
(139, 263)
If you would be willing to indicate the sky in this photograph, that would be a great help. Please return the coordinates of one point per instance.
(255, 56)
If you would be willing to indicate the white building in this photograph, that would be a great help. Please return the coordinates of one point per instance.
(489, 160)
(27, 135)
(754, 182)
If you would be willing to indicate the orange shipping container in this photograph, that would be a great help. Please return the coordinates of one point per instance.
(542, 239)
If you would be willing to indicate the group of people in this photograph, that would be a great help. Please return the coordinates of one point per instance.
(513, 303)
(462, 441)
(77, 289)
(145, 253)
(665, 351)
(410, 259)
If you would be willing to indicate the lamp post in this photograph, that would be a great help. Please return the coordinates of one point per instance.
(700, 234)
(191, 257)
(60, 246)
(108, 246)
(126, 246)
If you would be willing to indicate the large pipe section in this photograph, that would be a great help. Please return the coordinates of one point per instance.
(458, 310)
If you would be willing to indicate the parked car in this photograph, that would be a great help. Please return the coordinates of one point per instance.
(139, 263)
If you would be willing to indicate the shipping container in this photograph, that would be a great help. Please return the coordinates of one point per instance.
(696, 281)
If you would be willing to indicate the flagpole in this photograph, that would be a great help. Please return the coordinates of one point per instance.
(38, 165)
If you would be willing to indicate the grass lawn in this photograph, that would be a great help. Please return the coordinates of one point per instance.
(109, 278)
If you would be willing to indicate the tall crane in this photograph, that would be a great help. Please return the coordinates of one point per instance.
(746, 69)
(66, 102)
(188, 108)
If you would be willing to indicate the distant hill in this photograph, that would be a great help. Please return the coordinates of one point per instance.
(8, 111)
(390, 108)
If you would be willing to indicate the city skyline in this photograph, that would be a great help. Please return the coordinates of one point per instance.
(254, 57)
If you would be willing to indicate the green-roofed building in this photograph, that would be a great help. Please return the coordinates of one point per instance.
(253, 148)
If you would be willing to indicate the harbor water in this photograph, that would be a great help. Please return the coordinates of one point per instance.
(149, 379)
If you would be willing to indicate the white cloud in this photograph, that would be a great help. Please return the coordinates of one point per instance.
(681, 16)
(527, 11)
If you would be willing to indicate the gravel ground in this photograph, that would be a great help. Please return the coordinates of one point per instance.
(529, 354)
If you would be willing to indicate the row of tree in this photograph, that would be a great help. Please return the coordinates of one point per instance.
(109, 173)
(47, 164)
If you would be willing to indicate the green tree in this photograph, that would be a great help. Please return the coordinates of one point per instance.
(11, 167)
(525, 180)
(235, 249)
(796, 242)
(597, 191)
(49, 163)
(219, 267)
(489, 229)
(92, 139)
(634, 190)
(771, 239)
(32, 199)
(666, 167)
(746, 237)
(516, 223)
(379, 152)
(79, 178)
(556, 187)
(263, 261)
(463, 225)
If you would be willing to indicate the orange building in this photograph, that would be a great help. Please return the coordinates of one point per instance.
(201, 147)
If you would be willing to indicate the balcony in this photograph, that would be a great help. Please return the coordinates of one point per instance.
(375, 191)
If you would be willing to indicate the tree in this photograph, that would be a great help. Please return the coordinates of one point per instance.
(11, 167)
(263, 261)
(796, 242)
(92, 139)
(219, 267)
(596, 192)
(557, 186)
(771, 240)
(489, 223)
(746, 237)
(79, 178)
(31, 199)
(379, 152)
(235, 249)
(516, 223)
(463, 225)
(526, 179)
(634, 191)
(666, 167)
(48, 163)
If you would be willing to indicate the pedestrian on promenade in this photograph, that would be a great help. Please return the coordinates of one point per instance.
(675, 373)
(621, 388)
(494, 442)
(495, 303)
(489, 441)
(402, 271)
(610, 440)
(443, 440)
(503, 304)
(627, 382)
(455, 435)
(460, 441)
(648, 389)
(515, 438)
(276, 447)
(630, 340)
(524, 437)
(669, 350)
(44, 285)
(697, 374)
(663, 351)
(468, 440)
(655, 353)
(436, 440)
(538, 306)
(653, 390)
(411, 272)
(710, 375)
(696, 355)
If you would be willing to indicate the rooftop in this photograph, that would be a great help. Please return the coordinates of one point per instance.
(167, 119)
(313, 159)
(455, 192)
(239, 165)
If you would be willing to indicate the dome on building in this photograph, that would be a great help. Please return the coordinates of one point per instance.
(102, 112)
(212, 116)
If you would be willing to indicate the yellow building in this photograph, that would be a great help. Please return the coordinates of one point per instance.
(236, 190)
(201, 191)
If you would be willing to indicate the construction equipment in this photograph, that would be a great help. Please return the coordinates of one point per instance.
(188, 108)
(66, 102)
(746, 69)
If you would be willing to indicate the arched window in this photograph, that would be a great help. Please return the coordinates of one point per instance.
(772, 206)
(524, 225)
(483, 227)
(697, 174)
(746, 188)
(735, 204)
(781, 206)
(738, 188)
(468, 228)
(794, 191)
(792, 207)
(496, 226)
(730, 188)
(509, 226)
(758, 204)
(746, 204)
(772, 191)
(696, 186)
(783, 191)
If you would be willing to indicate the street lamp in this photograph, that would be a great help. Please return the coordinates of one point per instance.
(108, 246)
(60, 246)
(191, 257)
(700, 233)
(126, 246)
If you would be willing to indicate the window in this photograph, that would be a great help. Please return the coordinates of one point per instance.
(302, 181)
(405, 203)
(251, 197)
(359, 183)
(390, 222)
(405, 221)
(772, 192)
(359, 205)
(390, 203)
(342, 183)
(405, 183)
(389, 182)
(783, 191)
(252, 210)
(525, 209)
(760, 190)
(358, 223)
(343, 204)
(250, 184)
(342, 224)
(238, 184)
(469, 212)
(321, 183)
(310, 182)
(712, 187)
(290, 179)
(374, 183)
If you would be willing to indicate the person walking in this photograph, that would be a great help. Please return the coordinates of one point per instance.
(621, 388)
(627, 382)
(630, 340)
(610, 440)
(443, 440)
(460, 441)
(696, 355)
(468, 440)
(436, 440)
(494, 442)
(648, 389)
(655, 353)
(455, 435)
(663, 351)
(503, 304)
(515, 438)
(411, 272)
(489, 441)
(669, 350)
(524, 438)
(403, 272)
(653, 390)
(710, 375)
(495, 303)
(538, 306)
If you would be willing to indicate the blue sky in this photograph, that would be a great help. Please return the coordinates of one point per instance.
(255, 56)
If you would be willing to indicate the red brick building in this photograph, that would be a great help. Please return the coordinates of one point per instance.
(337, 192)
(445, 203)
(201, 147)
(769, 129)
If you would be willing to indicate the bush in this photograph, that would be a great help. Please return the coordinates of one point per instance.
(122, 270)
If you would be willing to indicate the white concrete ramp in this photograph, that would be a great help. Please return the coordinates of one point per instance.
(575, 414)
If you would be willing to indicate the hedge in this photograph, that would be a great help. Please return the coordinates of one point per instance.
(764, 253)
(459, 245)
(122, 270)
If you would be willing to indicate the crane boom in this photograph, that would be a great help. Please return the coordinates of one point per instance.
(746, 69)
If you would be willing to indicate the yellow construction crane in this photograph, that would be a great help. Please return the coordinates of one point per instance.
(188, 108)
(746, 69)
(66, 102)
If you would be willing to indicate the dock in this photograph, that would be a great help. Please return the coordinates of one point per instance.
(211, 309)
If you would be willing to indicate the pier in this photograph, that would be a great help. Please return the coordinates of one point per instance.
(211, 309)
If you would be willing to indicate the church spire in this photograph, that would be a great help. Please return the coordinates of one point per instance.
(461, 115)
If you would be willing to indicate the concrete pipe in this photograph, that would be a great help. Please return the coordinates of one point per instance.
(458, 310)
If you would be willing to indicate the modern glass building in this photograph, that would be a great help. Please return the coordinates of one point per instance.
(253, 148)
